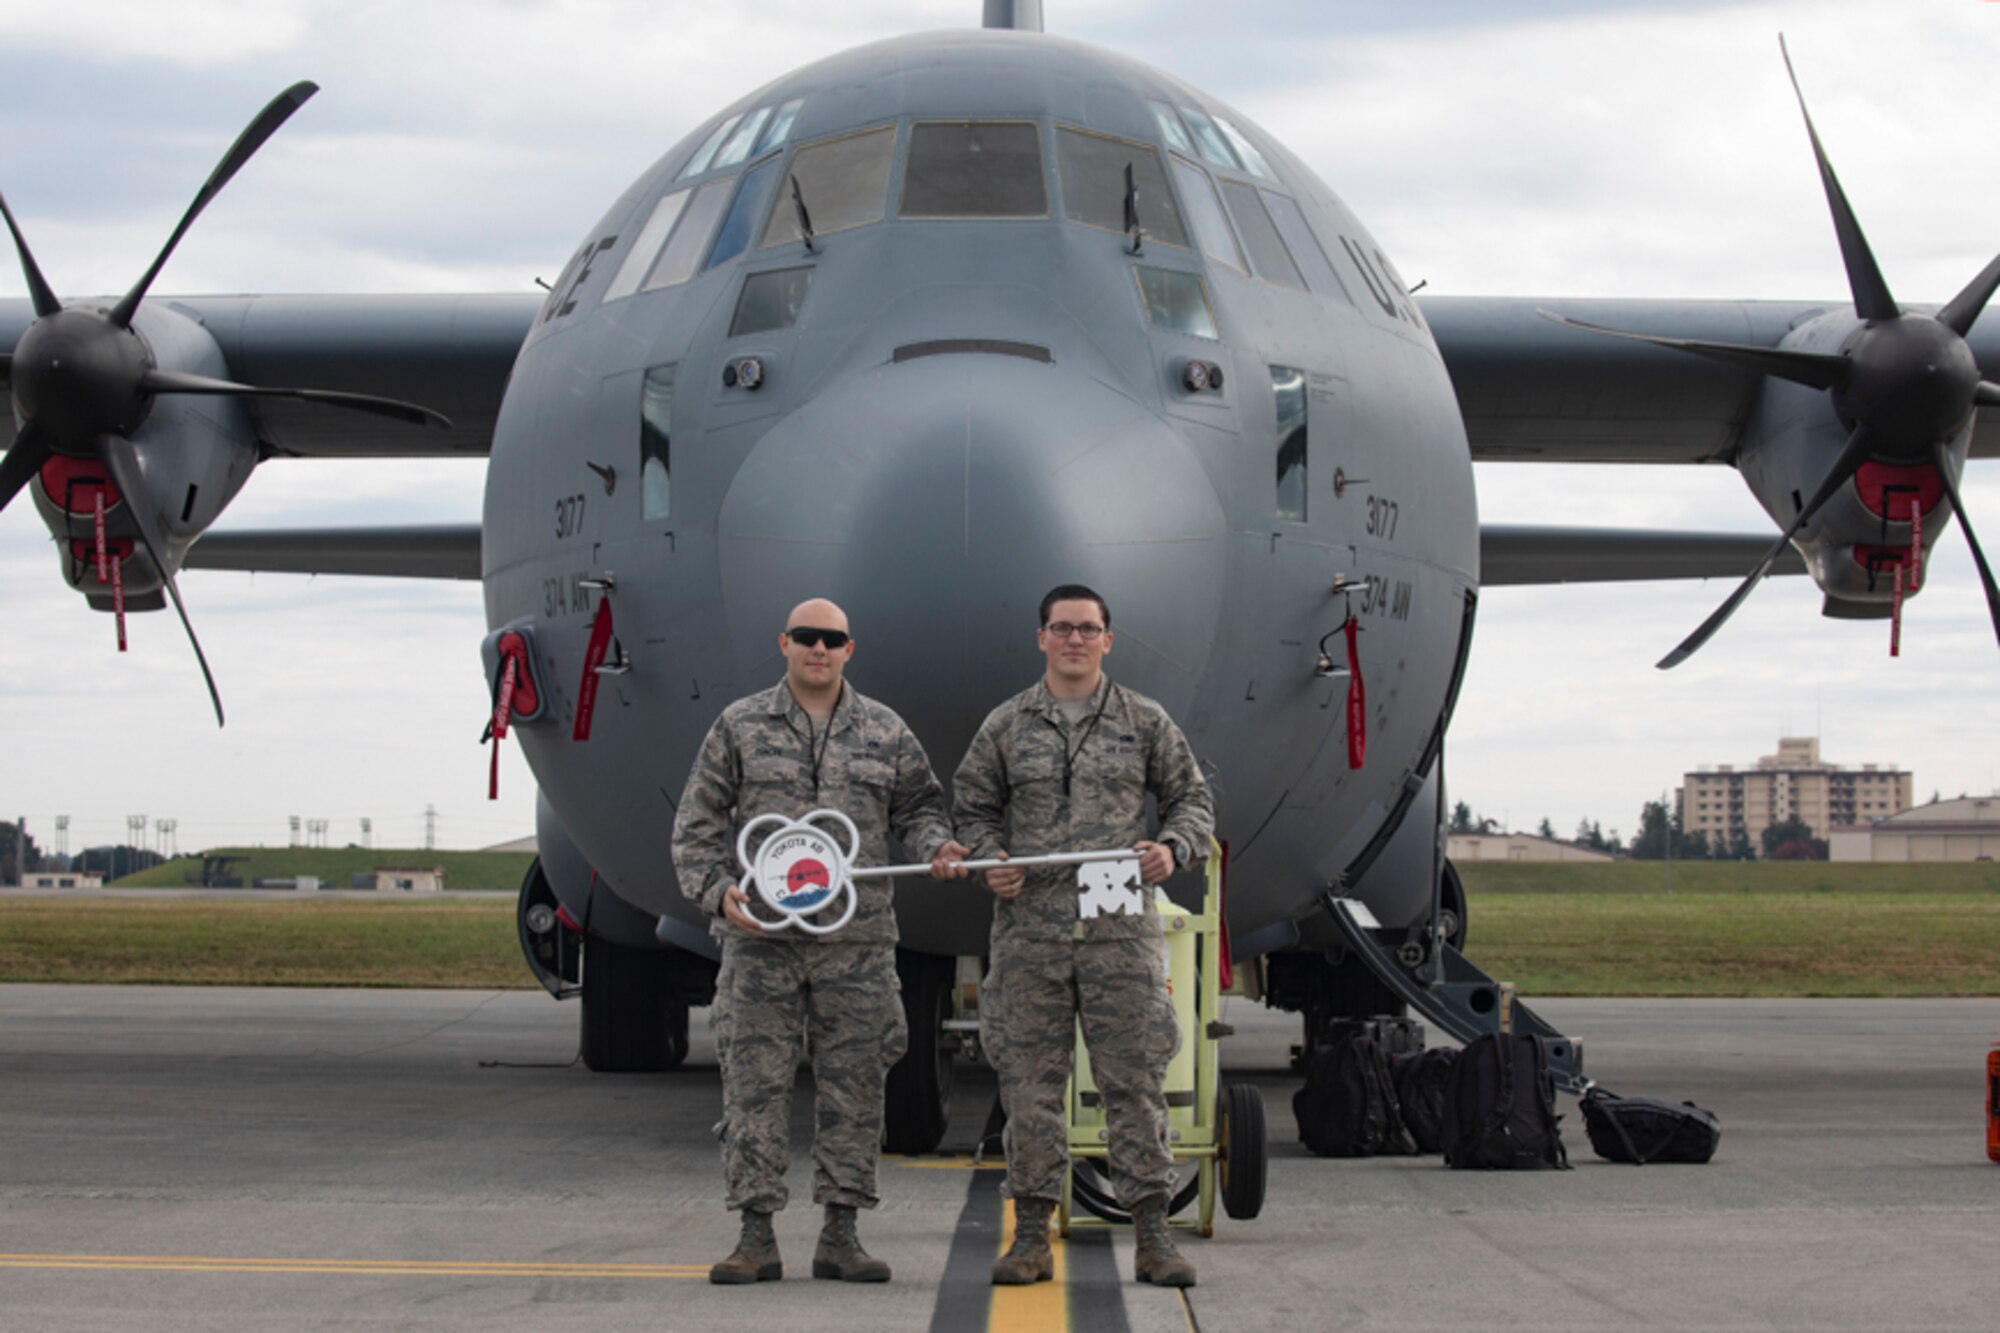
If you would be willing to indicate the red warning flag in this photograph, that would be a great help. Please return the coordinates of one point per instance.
(593, 658)
(1357, 699)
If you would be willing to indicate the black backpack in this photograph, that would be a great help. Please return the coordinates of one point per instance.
(1499, 1112)
(1643, 1129)
(1422, 1079)
(1347, 1107)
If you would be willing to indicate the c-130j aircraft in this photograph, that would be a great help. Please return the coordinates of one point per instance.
(929, 327)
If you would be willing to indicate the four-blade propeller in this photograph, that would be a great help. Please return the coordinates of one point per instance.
(83, 380)
(1905, 384)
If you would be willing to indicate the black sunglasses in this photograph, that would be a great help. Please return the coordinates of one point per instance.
(809, 636)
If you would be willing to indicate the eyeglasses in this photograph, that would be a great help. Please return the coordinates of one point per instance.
(1062, 629)
(809, 636)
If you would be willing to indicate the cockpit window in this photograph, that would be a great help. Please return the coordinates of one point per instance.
(1171, 128)
(734, 237)
(656, 426)
(1267, 249)
(1175, 301)
(640, 257)
(771, 301)
(1214, 148)
(1204, 210)
(690, 236)
(1246, 152)
(1304, 246)
(1092, 167)
(706, 154)
(844, 183)
(1288, 390)
(781, 125)
(739, 144)
(975, 169)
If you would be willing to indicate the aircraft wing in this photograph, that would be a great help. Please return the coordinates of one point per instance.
(432, 551)
(1510, 554)
(451, 353)
(1532, 390)
(1519, 554)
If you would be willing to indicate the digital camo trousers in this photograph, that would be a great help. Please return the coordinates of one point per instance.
(1035, 993)
(841, 1005)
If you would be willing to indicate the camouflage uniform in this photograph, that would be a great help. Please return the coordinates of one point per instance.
(835, 995)
(1019, 790)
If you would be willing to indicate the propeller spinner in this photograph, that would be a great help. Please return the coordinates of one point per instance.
(83, 380)
(1905, 384)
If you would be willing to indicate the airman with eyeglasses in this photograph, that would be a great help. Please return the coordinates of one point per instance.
(1066, 766)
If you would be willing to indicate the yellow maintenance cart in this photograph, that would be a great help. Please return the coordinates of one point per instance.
(1215, 1126)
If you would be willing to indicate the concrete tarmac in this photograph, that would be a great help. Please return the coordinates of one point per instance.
(264, 1159)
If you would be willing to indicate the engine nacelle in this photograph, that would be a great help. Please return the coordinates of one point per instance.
(195, 453)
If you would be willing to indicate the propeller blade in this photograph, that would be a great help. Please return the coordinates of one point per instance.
(1851, 458)
(31, 450)
(1941, 459)
(247, 143)
(1864, 277)
(122, 462)
(38, 286)
(1987, 394)
(1811, 369)
(1964, 308)
(173, 381)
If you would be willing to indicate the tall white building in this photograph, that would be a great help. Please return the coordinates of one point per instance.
(1793, 783)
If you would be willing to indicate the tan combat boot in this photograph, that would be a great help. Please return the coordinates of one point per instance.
(1156, 1260)
(756, 1257)
(1029, 1258)
(840, 1254)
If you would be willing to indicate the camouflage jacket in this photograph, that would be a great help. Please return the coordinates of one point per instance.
(1010, 794)
(758, 759)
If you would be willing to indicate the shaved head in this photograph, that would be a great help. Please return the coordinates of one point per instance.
(813, 669)
(818, 613)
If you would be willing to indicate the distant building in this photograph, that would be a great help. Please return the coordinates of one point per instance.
(1516, 847)
(62, 879)
(1967, 829)
(409, 879)
(1793, 783)
(528, 844)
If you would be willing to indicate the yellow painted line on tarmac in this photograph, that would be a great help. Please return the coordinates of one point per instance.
(949, 1163)
(169, 1263)
(1039, 1307)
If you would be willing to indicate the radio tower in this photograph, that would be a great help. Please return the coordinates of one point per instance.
(430, 828)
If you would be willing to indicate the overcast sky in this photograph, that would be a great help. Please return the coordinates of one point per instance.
(1557, 149)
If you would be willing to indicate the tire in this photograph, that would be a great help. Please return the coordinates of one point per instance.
(1243, 1168)
(917, 1099)
(634, 1022)
(1451, 906)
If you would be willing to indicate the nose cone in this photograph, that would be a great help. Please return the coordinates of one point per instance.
(938, 499)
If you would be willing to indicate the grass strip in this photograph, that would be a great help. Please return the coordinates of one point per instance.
(1619, 943)
(205, 942)
(1737, 944)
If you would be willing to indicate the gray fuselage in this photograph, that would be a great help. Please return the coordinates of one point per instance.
(965, 410)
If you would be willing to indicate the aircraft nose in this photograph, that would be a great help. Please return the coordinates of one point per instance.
(937, 499)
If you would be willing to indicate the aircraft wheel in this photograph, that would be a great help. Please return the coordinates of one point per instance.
(917, 1100)
(1090, 1187)
(1451, 909)
(1243, 1165)
(634, 1022)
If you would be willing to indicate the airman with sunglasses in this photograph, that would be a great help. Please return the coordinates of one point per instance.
(808, 743)
(1066, 766)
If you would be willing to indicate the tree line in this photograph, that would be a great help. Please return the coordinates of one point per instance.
(1661, 837)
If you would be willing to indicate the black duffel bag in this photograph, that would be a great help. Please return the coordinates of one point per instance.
(1645, 1129)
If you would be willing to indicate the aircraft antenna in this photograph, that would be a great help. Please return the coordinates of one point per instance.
(1020, 15)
